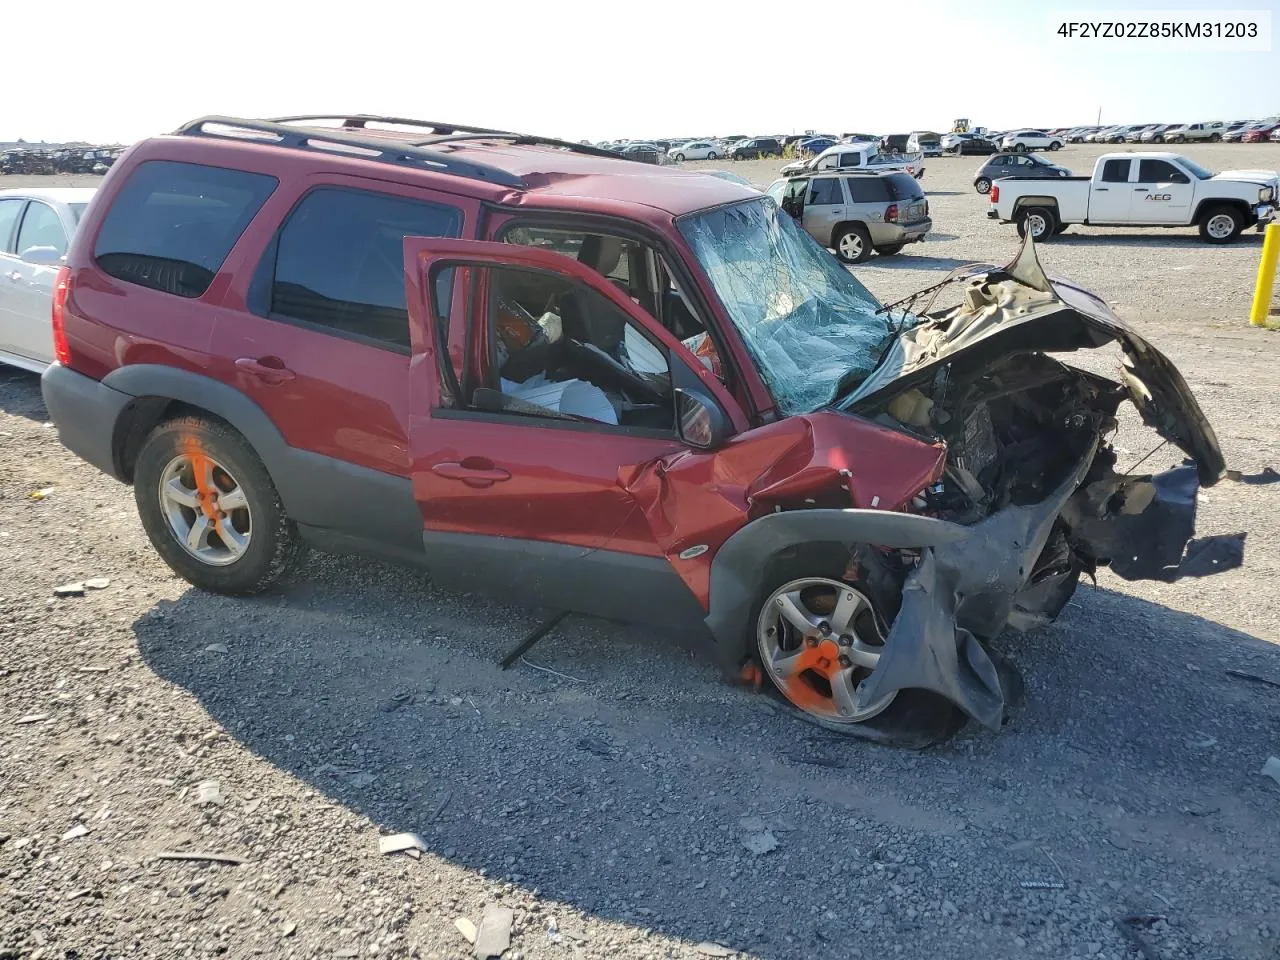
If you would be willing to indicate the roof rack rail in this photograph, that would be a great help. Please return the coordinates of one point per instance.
(343, 142)
(451, 132)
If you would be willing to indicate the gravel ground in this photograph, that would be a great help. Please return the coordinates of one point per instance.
(614, 797)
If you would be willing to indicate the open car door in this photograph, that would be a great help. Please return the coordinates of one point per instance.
(537, 386)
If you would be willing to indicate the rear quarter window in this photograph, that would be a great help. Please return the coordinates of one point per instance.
(903, 186)
(172, 224)
(868, 189)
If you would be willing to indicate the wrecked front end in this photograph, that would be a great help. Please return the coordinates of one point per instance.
(1029, 497)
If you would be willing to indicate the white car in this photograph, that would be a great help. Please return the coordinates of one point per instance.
(694, 150)
(35, 229)
(1020, 141)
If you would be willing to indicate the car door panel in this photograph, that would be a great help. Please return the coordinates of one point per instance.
(1110, 200)
(546, 494)
(1156, 198)
(330, 390)
(32, 334)
(820, 218)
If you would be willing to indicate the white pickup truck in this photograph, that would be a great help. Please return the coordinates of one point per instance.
(858, 156)
(1140, 190)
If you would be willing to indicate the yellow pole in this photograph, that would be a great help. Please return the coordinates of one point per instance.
(1266, 277)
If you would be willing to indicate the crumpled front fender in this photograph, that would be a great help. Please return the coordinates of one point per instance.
(739, 566)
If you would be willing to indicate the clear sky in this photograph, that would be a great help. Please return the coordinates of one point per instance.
(119, 70)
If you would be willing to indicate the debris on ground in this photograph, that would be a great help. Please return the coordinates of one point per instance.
(79, 830)
(466, 928)
(211, 857)
(1271, 769)
(1042, 885)
(596, 746)
(32, 718)
(493, 938)
(709, 948)
(217, 648)
(208, 792)
(761, 843)
(97, 583)
(40, 494)
(289, 929)
(69, 590)
(409, 843)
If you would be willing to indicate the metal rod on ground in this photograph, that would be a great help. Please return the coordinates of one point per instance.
(539, 632)
(1266, 279)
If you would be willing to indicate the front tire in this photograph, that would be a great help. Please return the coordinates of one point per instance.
(1040, 222)
(211, 509)
(1019, 148)
(1214, 138)
(1055, 145)
(853, 244)
(679, 158)
(711, 155)
(982, 185)
(1221, 225)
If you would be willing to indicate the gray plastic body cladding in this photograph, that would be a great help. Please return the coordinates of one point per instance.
(316, 490)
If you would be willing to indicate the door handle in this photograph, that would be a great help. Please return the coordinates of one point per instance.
(266, 369)
(1141, 190)
(1101, 189)
(473, 471)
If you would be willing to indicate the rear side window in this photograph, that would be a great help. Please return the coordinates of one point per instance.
(10, 207)
(173, 224)
(41, 227)
(903, 186)
(824, 191)
(868, 189)
(339, 262)
(1116, 171)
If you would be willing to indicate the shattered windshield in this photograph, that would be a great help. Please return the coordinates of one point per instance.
(808, 324)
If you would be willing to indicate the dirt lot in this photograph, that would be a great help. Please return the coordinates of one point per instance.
(608, 802)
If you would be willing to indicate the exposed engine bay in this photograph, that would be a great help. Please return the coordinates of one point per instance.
(1031, 477)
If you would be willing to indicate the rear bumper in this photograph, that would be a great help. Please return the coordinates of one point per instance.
(85, 412)
(889, 233)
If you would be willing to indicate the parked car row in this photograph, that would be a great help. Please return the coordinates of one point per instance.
(33, 161)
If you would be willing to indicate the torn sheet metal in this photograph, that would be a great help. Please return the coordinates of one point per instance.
(827, 459)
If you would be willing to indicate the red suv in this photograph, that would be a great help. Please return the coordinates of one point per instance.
(535, 368)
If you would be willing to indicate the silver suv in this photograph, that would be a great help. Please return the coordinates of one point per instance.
(857, 212)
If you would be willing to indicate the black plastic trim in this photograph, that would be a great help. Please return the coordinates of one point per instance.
(536, 573)
(85, 411)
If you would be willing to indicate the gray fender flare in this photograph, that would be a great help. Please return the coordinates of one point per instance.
(738, 570)
(228, 403)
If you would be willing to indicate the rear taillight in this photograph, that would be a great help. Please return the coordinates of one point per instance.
(61, 287)
(995, 193)
(891, 215)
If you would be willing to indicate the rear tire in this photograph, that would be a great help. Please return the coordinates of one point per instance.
(852, 244)
(678, 158)
(711, 155)
(1221, 224)
(982, 185)
(1019, 148)
(1215, 137)
(1040, 222)
(1055, 145)
(269, 544)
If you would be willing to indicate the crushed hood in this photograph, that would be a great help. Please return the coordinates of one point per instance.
(1020, 309)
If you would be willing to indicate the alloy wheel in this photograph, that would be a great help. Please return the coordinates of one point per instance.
(206, 509)
(818, 640)
(851, 245)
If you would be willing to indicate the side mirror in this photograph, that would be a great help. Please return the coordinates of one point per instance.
(1179, 178)
(42, 256)
(699, 419)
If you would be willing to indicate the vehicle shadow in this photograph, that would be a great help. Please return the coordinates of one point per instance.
(20, 394)
(621, 794)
